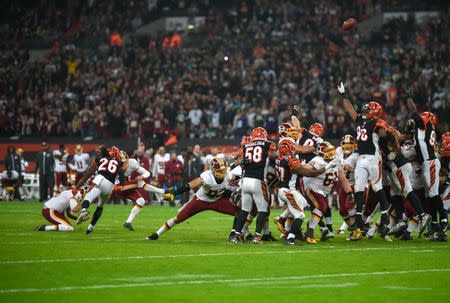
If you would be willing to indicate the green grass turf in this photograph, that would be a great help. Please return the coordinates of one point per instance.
(194, 263)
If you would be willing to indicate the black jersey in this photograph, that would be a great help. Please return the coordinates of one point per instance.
(109, 168)
(366, 135)
(256, 154)
(398, 159)
(287, 178)
(307, 139)
(424, 139)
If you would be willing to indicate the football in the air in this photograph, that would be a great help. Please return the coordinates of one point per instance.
(349, 24)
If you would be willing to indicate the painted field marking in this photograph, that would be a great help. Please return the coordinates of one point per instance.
(176, 277)
(406, 288)
(208, 255)
(217, 281)
(422, 251)
(305, 285)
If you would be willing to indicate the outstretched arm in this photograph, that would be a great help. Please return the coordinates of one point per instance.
(308, 171)
(347, 104)
(294, 116)
(91, 170)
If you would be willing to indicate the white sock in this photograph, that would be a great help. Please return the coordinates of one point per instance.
(168, 225)
(63, 227)
(91, 227)
(154, 189)
(343, 226)
(50, 227)
(291, 236)
(287, 224)
(136, 209)
(285, 214)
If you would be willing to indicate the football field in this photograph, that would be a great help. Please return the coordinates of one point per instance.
(194, 263)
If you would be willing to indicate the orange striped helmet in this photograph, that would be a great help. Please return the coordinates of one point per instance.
(372, 110)
(259, 133)
(245, 140)
(316, 129)
(445, 145)
(428, 116)
(286, 147)
(114, 152)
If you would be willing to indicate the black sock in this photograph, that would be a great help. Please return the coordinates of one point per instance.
(397, 202)
(381, 196)
(414, 200)
(240, 221)
(439, 206)
(309, 232)
(321, 223)
(260, 221)
(359, 201)
(330, 227)
(97, 215)
(296, 227)
(85, 204)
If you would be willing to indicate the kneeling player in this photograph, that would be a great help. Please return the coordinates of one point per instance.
(211, 186)
(67, 202)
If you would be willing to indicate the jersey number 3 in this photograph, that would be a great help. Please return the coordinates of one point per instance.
(254, 154)
(108, 165)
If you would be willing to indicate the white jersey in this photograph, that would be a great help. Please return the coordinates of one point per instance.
(158, 164)
(211, 191)
(80, 162)
(134, 166)
(409, 152)
(340, 154)
(60, 161)
(66, 200)
(323, 183)
(349, 165)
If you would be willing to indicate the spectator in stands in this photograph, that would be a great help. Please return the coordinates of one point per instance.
(45, 167)
(174, 170)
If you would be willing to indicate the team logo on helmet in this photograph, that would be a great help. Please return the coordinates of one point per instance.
(245, 140)
(326, 151)
(219, 167)
(286, 147)
(445, 145)
(348, 144)
(427, 116)
(114, 152)
(123, 157)
(259, 133)
(316, 129)
(286, 130)
(372, 110)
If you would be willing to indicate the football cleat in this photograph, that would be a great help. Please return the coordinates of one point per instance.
(311, 240)
(326, 234)
(398, 229)
(237, 239)
(340, 231)
(431, 230)
(89, 230)
(153, 236)
(406, 236)
(84, 216)
(289, 241)
(231, 235)
(40, 228)
(268, 238)
(438, 237)
(249, 237)
(356, 235)
(128, 226)
(280, 225)
(424, 222)
(257, 239)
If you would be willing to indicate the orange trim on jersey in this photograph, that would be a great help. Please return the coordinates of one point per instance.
(401, 179)
(382, 124)
(264, 191)
(291, 200)
(380, 171)
(432, 174)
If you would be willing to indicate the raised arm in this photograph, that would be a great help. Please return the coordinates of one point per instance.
(294, 116)
(346, 101)
(409, 101)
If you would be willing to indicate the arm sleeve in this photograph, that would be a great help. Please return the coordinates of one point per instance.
(73, 203)
(418, 120)
(143, 172)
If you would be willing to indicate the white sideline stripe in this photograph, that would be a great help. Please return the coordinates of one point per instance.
(406, 288)
(422, 251)
(220, 281)
(304, 286)
(177, 277)
(210, 255)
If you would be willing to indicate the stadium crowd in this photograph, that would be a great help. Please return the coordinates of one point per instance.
(243, 68)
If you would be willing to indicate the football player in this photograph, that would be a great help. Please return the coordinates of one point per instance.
(369, 129)
(445, 158)
(108, 165)
(80, 163)
(289, 168)
(346, 173)
(60, 168)
(212, 186)
(131, 187)
(317, 188)
(425, 139)
(54, 210)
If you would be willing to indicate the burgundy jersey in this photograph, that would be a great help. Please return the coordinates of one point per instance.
(256, 154)
(424, 139)
(307, 139)
(366, 135)
(109, 168)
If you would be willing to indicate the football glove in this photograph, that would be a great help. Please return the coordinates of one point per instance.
(295, 110)
(409, 92)
(341, 88)
(168, 196)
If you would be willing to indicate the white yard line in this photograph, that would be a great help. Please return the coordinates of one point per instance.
(301, 286)
(172, 277)
(219, 281)
(278, 252)
(406, 287)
